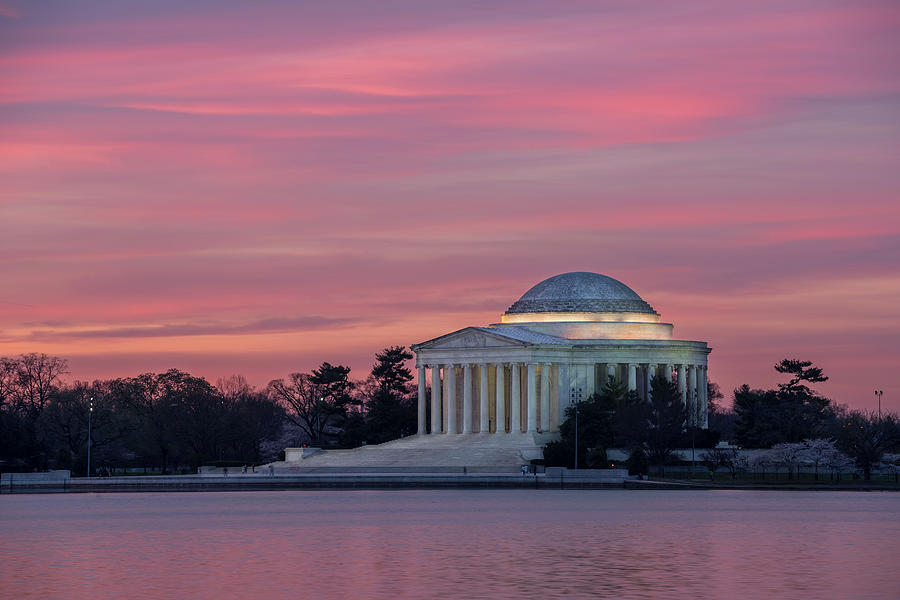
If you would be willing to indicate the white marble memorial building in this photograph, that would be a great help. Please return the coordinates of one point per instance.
(556, 344)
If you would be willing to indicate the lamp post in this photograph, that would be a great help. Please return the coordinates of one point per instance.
(575, 398)
(90, 413)
(576, 436)
(693, 425)
(878, 394)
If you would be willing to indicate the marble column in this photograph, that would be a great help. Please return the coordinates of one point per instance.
(532, 397)
(467, 398)
(545, 397)
(445, 409)
(450, 378)
(612, 370)
(704, 394)
(590, 383)
(515, 400)
(501, 399)
(557, 376)
(648, 378)
(695, 394)
(682, 383)
(484, 425)
(700, 405)
(632, 377)
(435, 399)
(422, 426)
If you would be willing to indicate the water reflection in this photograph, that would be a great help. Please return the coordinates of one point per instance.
(451, 544)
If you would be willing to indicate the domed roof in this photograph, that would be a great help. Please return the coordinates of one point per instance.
(580, 292)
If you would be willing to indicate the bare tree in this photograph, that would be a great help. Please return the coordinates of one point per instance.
(65, 418)
(715, 458)
(37, 375)
(149, 397)
(364, 390)
(233, 387)
(9, 368)
(866, 437)
(305, 402)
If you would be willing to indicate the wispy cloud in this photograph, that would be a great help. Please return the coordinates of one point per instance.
(173, 171)
(270, 325)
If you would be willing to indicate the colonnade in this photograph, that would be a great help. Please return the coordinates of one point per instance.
(507, 397)
(503, 397)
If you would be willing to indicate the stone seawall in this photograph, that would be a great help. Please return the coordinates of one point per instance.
(347, 480)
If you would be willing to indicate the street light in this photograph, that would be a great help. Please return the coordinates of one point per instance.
(692, 423)
(576, 436)
(90, 413)
(575, 398)
(878, 394)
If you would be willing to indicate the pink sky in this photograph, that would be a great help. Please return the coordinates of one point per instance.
(232, 187)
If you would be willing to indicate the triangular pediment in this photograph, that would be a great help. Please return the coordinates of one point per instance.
(471, 337)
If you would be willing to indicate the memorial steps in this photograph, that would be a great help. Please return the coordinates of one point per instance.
(478, 451)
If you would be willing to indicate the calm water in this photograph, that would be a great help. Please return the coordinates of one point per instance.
(452, 544)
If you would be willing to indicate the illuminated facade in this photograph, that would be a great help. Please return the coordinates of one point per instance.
(552, 347)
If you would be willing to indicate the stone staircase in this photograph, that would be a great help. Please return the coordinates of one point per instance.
(478, 452)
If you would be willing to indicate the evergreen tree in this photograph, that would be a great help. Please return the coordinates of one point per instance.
(595, 421)
(789, 414)
(604, 420)
(391, 412)
(668, 418)
(632, 420)
(801, 370)
(756, 414)
(721, 419)
(336, 388)
(637, 462)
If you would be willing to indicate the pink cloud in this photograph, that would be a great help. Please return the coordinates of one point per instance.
(177, 182)
(9, 12)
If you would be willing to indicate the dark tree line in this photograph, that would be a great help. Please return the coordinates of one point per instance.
(174, 421)
(791, 414)
(617, 417)
(794, 412)
(392, 403)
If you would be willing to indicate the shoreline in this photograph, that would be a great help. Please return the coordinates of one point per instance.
(380, 481)
(317, 481)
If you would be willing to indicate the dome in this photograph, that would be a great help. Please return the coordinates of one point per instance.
(580, 292)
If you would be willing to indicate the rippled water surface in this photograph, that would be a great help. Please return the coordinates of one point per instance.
(451, 544)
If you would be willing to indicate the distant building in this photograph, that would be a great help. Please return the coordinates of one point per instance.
(554, 346)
